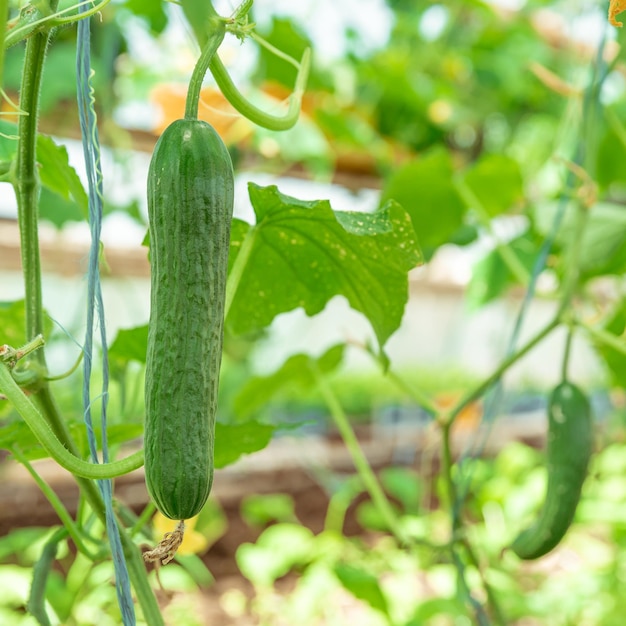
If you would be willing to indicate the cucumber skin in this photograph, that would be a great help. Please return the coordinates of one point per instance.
(570, 445)
(190, 207)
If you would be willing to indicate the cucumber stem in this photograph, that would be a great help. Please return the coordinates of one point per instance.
(218, 30)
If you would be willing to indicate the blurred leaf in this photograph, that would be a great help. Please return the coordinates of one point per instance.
(363, 586)
(304, 253)
(58, 175)
(151, 11)
(405, 485)
(611, 154)
(424, 188)
(491, 276)
(235, 440)
(13, 323)
(277, 550)
(496, 181)
(260, 510)
(603, 248)
(296, 372)
(63, 197)
(614, 360)
(57, 210)
(130, 344)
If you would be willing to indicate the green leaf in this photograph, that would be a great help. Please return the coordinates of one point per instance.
(13, 323)
(58, 175)
(615, 360)
(296, 372)
(611, 155)
(57, 210)
(425, 189)
(603, 247)
(496, 181)
(63, 197)
(130, 344)
(151, 11)
(491, 276)
(304, 253)
(234, 440)
(363, 586)
(277, 550)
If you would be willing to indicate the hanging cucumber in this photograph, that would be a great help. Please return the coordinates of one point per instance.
(570, 442)
(190, 206)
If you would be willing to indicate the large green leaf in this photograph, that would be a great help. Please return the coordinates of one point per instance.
(496, 181)
(425, 189)
(303, 254)
(296, 372)
(130, 344)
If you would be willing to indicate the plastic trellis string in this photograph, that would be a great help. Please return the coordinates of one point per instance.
(91, 149)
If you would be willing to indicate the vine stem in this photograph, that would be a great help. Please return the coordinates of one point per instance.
(480, 389)
(56, 503)
(236, 272)
(42, 430)
(602, 336)
(4, 17)
(359, 459)
(507, 255)
(217, 33)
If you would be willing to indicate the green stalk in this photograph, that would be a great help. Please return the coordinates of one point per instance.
(56, 503)
(480, 389)
(505, 252)
(359, 459)
(602, 336)
(236, 272)
(218, 30)
(36, 604)
(42, 430)
(27, 185)
(4, 17)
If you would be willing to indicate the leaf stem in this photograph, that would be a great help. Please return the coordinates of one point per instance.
(56, 503)
(605, 337)
(238, 267)
(359, 459)
(507, 255)
(480, 389)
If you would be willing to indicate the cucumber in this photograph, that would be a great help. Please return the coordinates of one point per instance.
(570, 444)
(190, 207)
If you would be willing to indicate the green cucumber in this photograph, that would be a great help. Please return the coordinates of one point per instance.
(190, 207)
(570, 444)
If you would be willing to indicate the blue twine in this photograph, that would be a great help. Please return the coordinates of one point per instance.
(95, 306)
